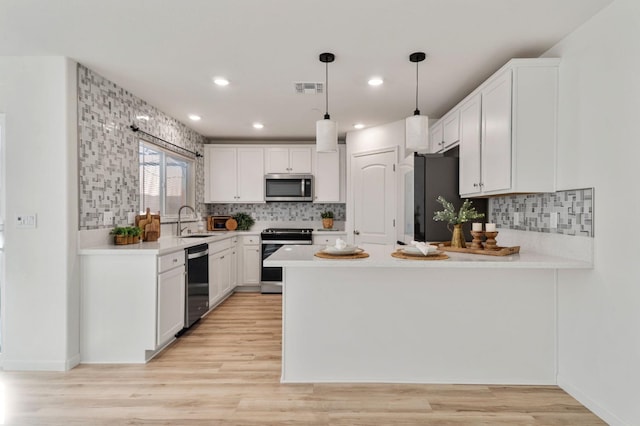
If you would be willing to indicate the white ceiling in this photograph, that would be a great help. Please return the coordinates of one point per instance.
(167, 51)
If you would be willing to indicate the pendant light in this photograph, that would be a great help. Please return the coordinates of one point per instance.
(326, 130)
(417, 126)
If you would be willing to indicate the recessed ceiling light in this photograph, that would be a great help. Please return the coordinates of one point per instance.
(221, 81)
(358, 126)
(258, 125)
(194, 117)
(375, 81)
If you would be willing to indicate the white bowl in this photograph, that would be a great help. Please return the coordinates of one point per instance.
(349, 249)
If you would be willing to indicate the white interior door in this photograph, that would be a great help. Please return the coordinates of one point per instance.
(2, 215)
(374, 198)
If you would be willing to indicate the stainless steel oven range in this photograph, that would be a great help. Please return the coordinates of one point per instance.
(271, 240)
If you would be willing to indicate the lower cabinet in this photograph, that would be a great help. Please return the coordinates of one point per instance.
(329, 238)
(223, 266)
(251, 260)
(171, 304)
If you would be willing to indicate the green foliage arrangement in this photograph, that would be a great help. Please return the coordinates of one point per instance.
(465, 214)
(327, 214)
(119, 230)
(245, 221)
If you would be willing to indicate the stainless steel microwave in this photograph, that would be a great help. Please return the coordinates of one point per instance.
(287, 187)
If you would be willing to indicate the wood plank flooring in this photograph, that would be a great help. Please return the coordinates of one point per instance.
(226, 371)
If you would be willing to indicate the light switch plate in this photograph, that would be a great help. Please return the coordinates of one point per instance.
(553, 220)
(26, 221)
(516, 218)
(131, 218)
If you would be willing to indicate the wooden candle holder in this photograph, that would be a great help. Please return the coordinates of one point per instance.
(490, 243)
(476, 243)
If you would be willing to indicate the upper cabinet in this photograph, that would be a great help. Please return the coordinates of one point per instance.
(329, 176)
(507, 130)
(445, 133)
(294, 160)
(234, 174)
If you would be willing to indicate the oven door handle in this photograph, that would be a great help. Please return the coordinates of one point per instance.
(283, 242)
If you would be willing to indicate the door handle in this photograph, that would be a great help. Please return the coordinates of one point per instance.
(356, 232)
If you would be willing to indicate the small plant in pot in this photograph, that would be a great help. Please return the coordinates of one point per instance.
(120, 235)
(135, 232)
(449, 215)
(245, 221)
(327, 219)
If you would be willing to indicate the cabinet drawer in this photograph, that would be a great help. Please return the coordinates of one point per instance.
(249, 240)
(327, 239)
(171, 260)
(219, 246)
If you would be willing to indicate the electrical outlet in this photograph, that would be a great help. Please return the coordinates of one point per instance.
(107, 218)
(553, 220)
(131, 218)
(516, 218)
(26, 221)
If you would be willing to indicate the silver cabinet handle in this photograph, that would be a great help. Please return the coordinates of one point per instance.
(355, 232)
(475, 185)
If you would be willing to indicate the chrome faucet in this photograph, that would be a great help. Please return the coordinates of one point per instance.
(180, 228)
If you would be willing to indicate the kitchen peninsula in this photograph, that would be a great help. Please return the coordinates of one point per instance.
(467, 319)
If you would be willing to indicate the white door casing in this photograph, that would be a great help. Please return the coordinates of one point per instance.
(374, 197)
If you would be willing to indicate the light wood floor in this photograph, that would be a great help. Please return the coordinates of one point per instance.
(226, 371)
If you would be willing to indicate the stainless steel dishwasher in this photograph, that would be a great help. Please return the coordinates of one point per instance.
(197, 288)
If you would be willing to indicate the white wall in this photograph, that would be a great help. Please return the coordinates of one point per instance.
(41, 309)
(599, 146)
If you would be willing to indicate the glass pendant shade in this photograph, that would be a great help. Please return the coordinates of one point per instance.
(417, 134)
(326, 135)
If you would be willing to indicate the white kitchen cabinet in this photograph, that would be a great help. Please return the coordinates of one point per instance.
(251, 260)
(328, 238)
(445, 133)
(328, 174)
(233, 263)
(171, 303)
(514, 148)
(132, 305)
(234, 174)
(294, 160)
(220, 272)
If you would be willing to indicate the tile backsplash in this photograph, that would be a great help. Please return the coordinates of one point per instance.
(280, 212)
(575, 208)
(108, 149)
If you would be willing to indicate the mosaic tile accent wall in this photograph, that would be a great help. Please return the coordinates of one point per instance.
(575, 208)
(108, 149)
(280, 212)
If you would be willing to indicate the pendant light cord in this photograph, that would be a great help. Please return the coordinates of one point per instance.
(417, 111)
(326, 91)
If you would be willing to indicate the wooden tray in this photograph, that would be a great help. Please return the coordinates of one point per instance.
(398, 254)
(500, 251)
(359, 255)
(150, 225)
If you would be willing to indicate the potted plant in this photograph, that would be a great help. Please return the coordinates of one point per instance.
(245, 221)
(136, 233)
(120, 235)
(449, 215)
(327, 219)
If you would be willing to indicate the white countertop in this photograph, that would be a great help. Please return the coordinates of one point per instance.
(380, 256)
(166, 244)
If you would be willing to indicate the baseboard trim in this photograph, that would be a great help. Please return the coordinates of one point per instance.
(10, 365)
(590, 403)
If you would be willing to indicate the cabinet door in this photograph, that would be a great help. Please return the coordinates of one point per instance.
(300, 160)
(233, 267)
(250, 175)
(171, 293)
(276, 160)
(218, 274)
(470, 147)
(328, 239)
(225, 265)
(327, 177)
(436, 133)
(451, 129)
(214, 281)
(496, 134)
(220, 179)
(251, 264)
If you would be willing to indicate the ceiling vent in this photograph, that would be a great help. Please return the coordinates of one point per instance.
(309, 88)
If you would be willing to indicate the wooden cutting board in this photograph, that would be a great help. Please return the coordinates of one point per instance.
(150, 225)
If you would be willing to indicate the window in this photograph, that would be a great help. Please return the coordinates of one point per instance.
(166, 180)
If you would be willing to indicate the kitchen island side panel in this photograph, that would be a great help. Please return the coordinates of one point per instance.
(491, 326)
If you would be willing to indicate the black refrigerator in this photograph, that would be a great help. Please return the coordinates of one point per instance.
(435, 175)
